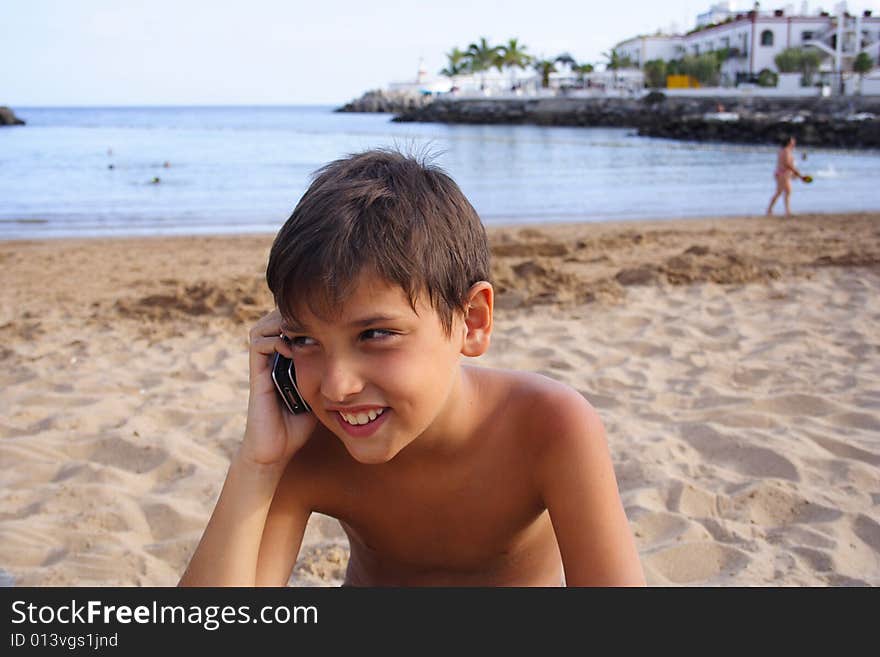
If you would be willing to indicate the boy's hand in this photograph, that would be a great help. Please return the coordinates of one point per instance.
(273, 435)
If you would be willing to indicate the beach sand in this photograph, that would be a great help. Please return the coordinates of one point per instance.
(735, 363)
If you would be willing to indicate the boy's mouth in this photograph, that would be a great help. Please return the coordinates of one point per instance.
(363, 423)
(364, 417)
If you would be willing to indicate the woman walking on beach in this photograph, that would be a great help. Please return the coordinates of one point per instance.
(784, 169)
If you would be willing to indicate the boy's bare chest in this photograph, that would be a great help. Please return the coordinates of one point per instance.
(472, 519)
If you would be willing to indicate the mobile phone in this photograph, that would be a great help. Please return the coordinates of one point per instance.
(284, 376)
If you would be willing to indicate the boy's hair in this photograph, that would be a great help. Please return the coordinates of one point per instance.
(382, 210)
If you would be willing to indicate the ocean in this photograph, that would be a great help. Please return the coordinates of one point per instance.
(88, 172)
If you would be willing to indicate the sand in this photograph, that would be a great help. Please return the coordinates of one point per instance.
(735, 363)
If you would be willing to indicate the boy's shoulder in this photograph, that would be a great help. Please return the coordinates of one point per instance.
(541, 409)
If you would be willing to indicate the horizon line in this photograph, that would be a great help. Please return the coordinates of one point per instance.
(167, 105)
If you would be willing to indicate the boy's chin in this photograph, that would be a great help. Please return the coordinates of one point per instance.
(370, 454)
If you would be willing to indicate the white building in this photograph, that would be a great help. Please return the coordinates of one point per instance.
(643, 49)
(718, 13)
(754, 38)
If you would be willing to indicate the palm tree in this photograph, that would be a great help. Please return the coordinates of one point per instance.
(456, 64)
(481, 57)
(582, 70)
(514, 56)
(615, 61)
(862, 64)
(545, 67)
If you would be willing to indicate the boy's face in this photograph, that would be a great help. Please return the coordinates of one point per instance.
(398, 371)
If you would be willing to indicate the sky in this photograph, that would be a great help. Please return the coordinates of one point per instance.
(268, 52)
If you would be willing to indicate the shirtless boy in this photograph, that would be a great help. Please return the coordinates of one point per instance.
(784, 170)
(440, 473)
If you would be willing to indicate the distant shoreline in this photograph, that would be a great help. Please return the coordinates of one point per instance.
(652, 223)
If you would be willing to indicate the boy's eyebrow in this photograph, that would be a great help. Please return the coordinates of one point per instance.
(366, 321)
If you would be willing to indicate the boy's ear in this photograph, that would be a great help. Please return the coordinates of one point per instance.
(478, 319)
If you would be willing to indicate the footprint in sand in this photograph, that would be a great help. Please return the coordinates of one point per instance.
(797, 404)
(855, 420)
(770, 503)
(750, 377)
(743, 420)
(691, 501)
(817, 560)
(696, 563)
(844, 450)
(734, 452)
(644, 349)
(122, 454)
(56, 555)
(868, 530)
(797, 535)
(656, 527)
(167, 522)
(599, 400)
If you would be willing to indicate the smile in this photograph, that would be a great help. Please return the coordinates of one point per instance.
(362, 418)
(362, 424)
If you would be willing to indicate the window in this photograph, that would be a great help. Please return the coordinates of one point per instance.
(806, 36)
(766, 38)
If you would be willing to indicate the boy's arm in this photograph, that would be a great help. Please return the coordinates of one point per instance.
(227, 553)
(283, 532)
(254, 534)
(579, 488)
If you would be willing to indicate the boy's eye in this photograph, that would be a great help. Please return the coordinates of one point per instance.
(378, 334)
(300, 340)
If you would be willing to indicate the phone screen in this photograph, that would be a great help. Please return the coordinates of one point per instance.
(284, 376)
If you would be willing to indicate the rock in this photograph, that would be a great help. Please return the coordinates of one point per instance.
(389, 102)
(8, 117)
(643, 275)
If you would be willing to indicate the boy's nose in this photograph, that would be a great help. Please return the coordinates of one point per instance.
(340, 381)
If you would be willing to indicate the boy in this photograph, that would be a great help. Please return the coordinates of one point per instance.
(439, 473)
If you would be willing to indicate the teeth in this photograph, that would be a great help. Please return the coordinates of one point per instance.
(361, 418)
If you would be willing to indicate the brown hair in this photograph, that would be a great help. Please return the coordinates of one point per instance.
(397, 214)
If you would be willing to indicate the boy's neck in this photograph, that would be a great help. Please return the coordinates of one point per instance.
(452, 429)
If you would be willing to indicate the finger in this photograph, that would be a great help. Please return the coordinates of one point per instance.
(270, 325)
(269, 345)
(263, 349)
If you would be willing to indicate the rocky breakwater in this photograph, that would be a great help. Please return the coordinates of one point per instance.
(831, 122)
(826, 122)
(391, 102)
(562, 111)
(8, 117)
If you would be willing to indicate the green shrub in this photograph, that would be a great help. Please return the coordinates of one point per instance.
(655, 73)
(767, 78)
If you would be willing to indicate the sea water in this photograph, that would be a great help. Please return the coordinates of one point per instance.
(194, 170)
